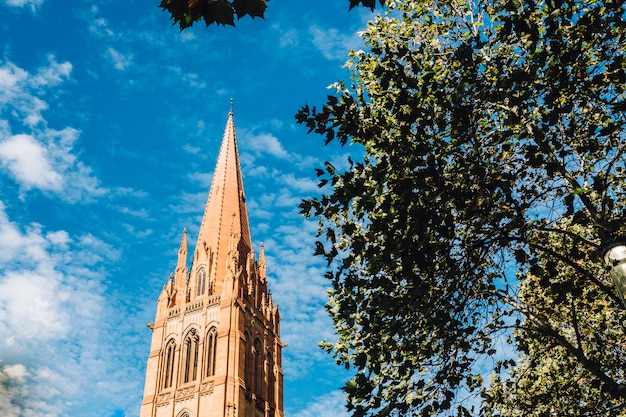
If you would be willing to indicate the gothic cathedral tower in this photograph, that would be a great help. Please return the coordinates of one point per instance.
(216, 349)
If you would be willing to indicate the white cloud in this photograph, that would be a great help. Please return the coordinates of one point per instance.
(48, 164)
(306, 184)
(35, 290)
(53, 74)
(187, 36)
(332, 404)
(40, 158)
(27, 160)
(17, 371)
(56, 322)
(332, 43)
(202, 178)
(99, 26)
(58, 238)
(33, 301)
(19, 90)
(191, 149)
(299, 287)
(32, 4)
(289, 39)
(268, 144)
(193, 79)
(120, 61)
(190, 202)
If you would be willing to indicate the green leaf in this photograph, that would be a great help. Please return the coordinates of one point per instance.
(252, 8)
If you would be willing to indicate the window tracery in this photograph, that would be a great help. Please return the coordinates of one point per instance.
(190, 356)
(168, 364)
(246, 360)
(210, 345)
(270, 378)
(201, 283)
(258, 366)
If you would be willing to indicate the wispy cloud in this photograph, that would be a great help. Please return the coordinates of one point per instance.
(55, 323)
(31, 4)
(332, 43)
(48, 164)
(288, 38)
(99, 26)
(113, 43)
(266, 143)
(61, 278)
(121, 61)
(330, 405)
(193, 79)
(20, 90)
(43, 158)
(303, 184)
(28, 162)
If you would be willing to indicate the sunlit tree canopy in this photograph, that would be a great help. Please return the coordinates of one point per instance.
(462, 248)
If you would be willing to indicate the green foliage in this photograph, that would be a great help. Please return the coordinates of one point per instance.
(493, 135)
(223, 12)
(557, 375)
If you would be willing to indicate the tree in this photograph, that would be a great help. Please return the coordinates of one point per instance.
(223, 12)
(493, 136)
(549, 379)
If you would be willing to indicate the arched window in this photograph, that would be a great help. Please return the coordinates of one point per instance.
(270, 378)
(258, 367)
(245, 346)
(201, 282)
(168, 364)
(190, 356)
(210, 344)
(185, 413)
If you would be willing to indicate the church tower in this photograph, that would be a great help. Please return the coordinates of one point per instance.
(216, 349)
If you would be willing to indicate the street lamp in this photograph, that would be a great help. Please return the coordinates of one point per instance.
(614, 254)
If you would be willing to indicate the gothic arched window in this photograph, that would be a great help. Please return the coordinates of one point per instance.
(168, 364)
(190, 356)
(258, 367)
(245, 346)
(210, 343)
(270, 378)
(201, 282)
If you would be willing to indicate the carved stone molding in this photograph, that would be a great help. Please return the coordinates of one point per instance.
(163, 399)
(184, 393)
(194, 305)
(214, 299)
(173, 312)
(206, 388)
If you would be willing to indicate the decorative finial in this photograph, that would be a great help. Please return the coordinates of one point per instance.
(231, 106)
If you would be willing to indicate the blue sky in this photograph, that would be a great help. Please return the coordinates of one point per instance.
(110, 124)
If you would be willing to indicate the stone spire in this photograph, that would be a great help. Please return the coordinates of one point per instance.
(216, 349)
(180, 276)
(225, 226)
(262, 265)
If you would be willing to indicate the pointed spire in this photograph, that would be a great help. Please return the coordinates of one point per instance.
(262, 265)
(262, 254)
(225, 216)
(180, 277)
(182, 252)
